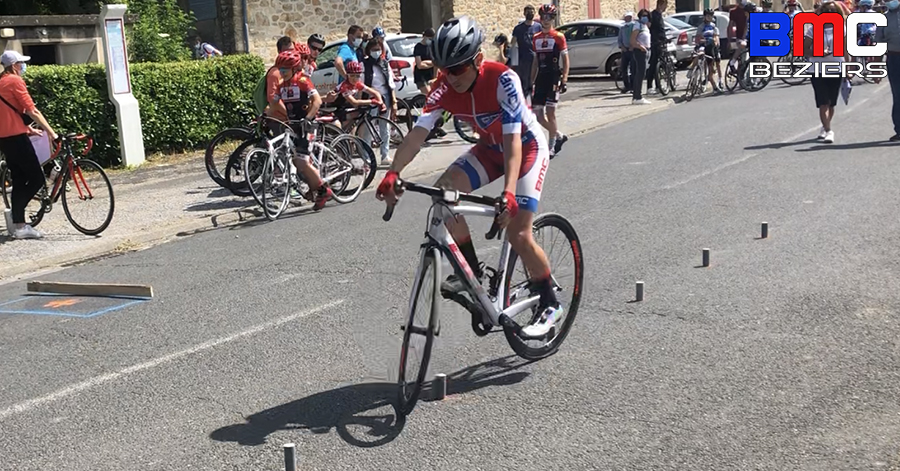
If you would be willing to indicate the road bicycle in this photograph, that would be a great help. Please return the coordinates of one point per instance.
(666, 72)
(336, 161)
(368, 128)
(81, 183)
(737, 72)
(223, 144)
(506, 297)
(698, 76)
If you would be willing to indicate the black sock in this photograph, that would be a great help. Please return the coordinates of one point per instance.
(548, 295)
(468, 251)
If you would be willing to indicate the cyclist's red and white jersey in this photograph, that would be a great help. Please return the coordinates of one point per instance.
(549, 48)
(495, 106)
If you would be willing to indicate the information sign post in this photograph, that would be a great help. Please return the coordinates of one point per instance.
(128, 115)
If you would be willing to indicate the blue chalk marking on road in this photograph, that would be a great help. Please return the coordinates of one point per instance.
(63, 313)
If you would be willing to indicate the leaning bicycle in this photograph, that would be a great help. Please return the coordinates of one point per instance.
(509, 301)
(85, 190)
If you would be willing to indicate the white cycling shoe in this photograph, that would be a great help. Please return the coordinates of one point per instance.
(545, 323)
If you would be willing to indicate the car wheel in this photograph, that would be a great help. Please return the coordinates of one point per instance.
(611, 63)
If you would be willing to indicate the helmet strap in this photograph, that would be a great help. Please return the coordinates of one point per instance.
(477, 74)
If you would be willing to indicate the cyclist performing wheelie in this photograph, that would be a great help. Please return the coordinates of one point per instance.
(489, 95)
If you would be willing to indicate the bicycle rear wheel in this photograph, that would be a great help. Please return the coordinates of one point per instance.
(235, 180)
(89, 185)
(551, 231)
(37, 207)
(220, 149)
(276, 186)
(346, 166)
(395, 134)
(795, 67)
(418, 332)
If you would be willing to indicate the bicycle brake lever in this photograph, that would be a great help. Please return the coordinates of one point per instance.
(494, 232)
(388, 213)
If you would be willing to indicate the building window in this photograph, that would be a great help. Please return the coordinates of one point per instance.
(41, 54)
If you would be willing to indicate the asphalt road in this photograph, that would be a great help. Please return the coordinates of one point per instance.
(781, 355)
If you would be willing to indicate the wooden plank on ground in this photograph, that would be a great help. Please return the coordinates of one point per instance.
(91, 289)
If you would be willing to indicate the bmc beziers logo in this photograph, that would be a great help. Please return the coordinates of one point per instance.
(790, 40)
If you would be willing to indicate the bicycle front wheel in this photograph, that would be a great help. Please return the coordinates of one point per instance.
(347, 165)
(418, 332)
(465, 130)
(276, 188)
(219, 150)
(91, 197)
(556, 236)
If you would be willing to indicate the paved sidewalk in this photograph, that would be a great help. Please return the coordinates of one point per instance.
(168, 201)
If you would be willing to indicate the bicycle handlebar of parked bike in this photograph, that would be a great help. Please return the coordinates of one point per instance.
(456, 197)
(71, 137)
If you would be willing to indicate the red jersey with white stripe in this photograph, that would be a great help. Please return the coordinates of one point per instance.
(549, 48)
(495, 107)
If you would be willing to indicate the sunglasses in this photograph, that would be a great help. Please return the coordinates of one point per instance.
(547, 17)
(458, 70)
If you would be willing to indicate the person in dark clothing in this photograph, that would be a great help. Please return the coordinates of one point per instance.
(523, 39)
(657, 43)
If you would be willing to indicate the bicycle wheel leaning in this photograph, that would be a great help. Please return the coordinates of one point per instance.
(418, 332)
(220, 149)
(235, 180)
(34, 212)
(276, 187)
(517, 289)
(87, 183)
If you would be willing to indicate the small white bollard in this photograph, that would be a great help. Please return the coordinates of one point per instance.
(290, 457)
(440, 386)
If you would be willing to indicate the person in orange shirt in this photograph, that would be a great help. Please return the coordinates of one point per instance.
(25, 170)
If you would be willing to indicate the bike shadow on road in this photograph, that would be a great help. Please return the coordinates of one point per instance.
(781, 145)
(850, 146)
(363, 415)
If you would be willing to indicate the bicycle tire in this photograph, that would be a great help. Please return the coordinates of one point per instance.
(620, 86)
(571, 310)
(359, 152)
(395, 133)
(408, 394)
(754, 85)
(209, 158)
(256, 157)
(6, 183)
(235, 168)
(465, 130)
(791, 81)
(672, 75)
(339, 158)
(407, 114)
(268, 187)
(76, 170)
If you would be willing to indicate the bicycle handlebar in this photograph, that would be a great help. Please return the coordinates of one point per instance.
(402, 185)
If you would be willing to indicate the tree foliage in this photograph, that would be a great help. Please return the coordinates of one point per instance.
(161, 32)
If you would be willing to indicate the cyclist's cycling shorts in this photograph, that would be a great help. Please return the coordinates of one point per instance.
(546, 90)
(483, 165)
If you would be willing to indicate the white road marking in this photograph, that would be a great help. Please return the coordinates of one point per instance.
(761, 151)
(31, 404)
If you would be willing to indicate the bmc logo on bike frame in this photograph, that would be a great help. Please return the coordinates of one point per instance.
(843, 38)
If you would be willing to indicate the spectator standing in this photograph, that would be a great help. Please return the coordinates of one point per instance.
(204, 50)
(890, 34)
(424, 71)
(501, 52)
(640, 45)
(378, 35)
(626, 64)
(658, 43)
(378, 76)
(347, 51)
(523, 40)
(15, 143)
(826, 89)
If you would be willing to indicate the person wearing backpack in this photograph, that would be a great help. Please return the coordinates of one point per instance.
(17, 111)
(204, 50)
(268, 84)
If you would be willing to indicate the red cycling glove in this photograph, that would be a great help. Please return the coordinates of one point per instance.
(511, 204)
(388, 184)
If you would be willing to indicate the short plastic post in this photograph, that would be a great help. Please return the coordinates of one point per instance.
(290, 457)
(639, 291)
(705, 257)
(440, 383)
(765, 230)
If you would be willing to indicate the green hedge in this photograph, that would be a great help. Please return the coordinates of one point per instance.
(183, 104)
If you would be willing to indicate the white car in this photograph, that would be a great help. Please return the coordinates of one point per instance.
(325, 78)
(695, 19)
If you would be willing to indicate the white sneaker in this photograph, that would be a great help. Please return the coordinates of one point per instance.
(387, 161)
(651, 91)
(7, 214)
(829, 137)
(545, 323)
(28, 232)
(822, 133)
(642, 101)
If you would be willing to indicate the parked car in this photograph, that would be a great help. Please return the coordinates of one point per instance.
(325, 78)
(695, 19)
(594, 45)
(681, 35)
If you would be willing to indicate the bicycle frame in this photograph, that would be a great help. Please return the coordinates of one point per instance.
(437, 236)
(64, 159)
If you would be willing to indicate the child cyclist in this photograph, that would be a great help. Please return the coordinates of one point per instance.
(352, 89)
(707, 38)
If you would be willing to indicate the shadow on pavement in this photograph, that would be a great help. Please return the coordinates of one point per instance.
(215, 205)
(363, 415)
(781, 145)
(854, 145)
